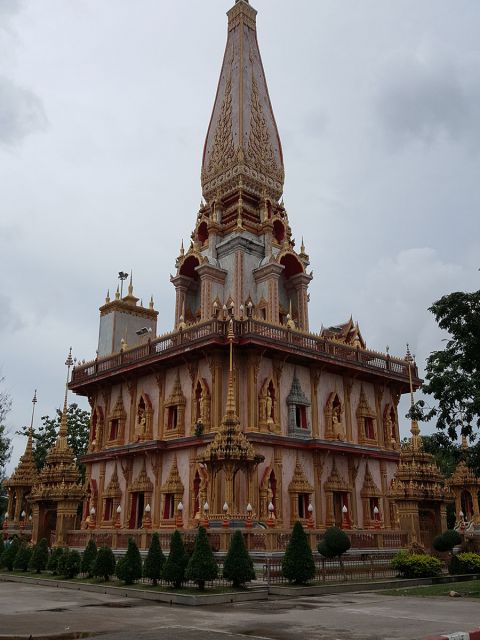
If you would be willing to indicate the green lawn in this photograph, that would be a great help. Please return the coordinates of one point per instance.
(469, 589)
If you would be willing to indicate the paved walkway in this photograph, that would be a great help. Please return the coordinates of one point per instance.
(39, 610)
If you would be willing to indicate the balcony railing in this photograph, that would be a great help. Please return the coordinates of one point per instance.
(248, 330)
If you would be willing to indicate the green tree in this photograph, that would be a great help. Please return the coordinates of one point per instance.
(5, 447)
(45, 436)
(334, 544)
(155, 560)
(202, 565)
(298, 565)
(2, 548)
(88, 557)
(69, 564)
(174, 569)
(129, 568)
(39, 559)
(22, 559)
(9, 553)
(104, 564)
(238, 565)
(447, 540)
(54, 559)
(453, 374)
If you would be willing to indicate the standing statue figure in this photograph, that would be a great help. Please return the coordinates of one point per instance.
(269, 408)
(337, 427)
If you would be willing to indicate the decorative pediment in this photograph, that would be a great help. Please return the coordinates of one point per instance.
(369, 489)
(113, 489)
(335, 482)
(176, 397)
(142, 483)
(118, 411)
(299, 482)
(363, 409)
(174, 483)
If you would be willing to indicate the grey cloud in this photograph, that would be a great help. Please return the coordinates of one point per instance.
(429, 99)
(9, 318)
(21, 113)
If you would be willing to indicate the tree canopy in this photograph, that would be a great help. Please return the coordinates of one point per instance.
(5, 445)
(453, 374)
(44, 437)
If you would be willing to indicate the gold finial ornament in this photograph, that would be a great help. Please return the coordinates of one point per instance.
(117, 293)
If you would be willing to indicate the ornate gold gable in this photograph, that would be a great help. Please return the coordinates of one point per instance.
(173, 483)
(116, 422)
(175, 410)
(299, 482)
(142, 483)
(369, 489)
(335, 482)
(113, 489)
(366, 420)
(25, 474)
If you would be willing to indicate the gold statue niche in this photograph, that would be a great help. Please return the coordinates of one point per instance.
(334, 418)
(268, 409)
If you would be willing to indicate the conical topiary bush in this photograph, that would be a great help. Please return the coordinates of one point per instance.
(176, 563)
(155, 560)
(202, 566)
(298, 565)
(238, 565)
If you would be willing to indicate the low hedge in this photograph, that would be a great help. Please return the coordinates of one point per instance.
(410, 565)
(464, 563)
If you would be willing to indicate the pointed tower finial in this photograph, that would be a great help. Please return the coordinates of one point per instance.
(107, 297)
(151, 304)
(182, 249)
(414, 428)
(117, 293)
(63, 422)
(130, 286)
(302, 248)
(231, 405)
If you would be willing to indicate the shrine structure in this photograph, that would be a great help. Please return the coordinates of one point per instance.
(241, 416)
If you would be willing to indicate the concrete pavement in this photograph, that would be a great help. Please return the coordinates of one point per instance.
(39, 610)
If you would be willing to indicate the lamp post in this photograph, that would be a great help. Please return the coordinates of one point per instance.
(271, 515)
(345, 518)
(376, 517)
(310, 521)
(226, 520)
(205, 515)
(147, 521)
(249, 521)
(22, 520)
(179, 522)
(92, 523)
(118, 517)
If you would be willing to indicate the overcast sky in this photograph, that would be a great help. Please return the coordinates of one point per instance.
(104, 106)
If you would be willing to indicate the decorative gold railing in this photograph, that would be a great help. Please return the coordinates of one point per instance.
(247, 330)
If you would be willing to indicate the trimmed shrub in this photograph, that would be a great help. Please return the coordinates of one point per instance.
(55, 555)
(22, 559)
(464, 563)
(88, 558)
(39, 559)
(69, 564)
(104, 564)
(129, 568)
(410, 565)
(9, 553)
(202, 566)
(238, 565)
(298, 565)
(447, 540)
(325, 551)
(155, 560)
(176, 563)
(336, 541)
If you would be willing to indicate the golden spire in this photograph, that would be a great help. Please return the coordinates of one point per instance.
(302, 247)
(130, 286)
(414, 428)
(63, 421)
(464, 442)
(30, 431)
(117, 293)
(107, 297)
(151, 304)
